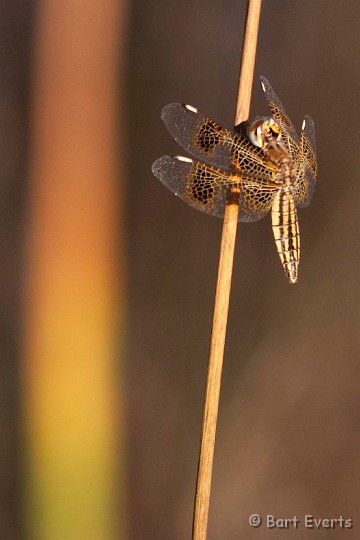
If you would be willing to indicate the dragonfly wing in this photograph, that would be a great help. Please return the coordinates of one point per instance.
(256, 199)
(207, 141)
(308, 143)
(279, 114)
(203, 138)
(307, 164)
(206, 188)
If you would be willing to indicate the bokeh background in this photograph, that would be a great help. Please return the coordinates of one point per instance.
(107, 279)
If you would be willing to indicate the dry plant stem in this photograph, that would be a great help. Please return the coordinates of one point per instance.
(212, 393)
(248, 61)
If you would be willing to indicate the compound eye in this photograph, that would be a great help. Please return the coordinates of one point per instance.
(257, 132)
(262, 130)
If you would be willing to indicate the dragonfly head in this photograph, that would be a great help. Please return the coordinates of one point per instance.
(264, 132)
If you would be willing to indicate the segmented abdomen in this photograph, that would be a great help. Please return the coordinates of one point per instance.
(286, 232)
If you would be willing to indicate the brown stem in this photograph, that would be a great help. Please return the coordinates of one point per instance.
(212, 393)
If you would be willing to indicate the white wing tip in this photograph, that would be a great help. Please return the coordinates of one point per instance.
(191, 108)
(183, 158)
(263, 86)
(303, 124)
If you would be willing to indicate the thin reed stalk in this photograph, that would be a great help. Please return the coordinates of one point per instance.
(212, 393)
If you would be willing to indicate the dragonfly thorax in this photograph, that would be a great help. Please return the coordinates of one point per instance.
(266, 134)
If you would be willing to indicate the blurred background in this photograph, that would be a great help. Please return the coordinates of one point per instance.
(107, 279)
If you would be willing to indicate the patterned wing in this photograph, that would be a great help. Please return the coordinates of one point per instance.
(206, 188)
(308, 144)
(289, 134)
(306, 164)
(207, 141)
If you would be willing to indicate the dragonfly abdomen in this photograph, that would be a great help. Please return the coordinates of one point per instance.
(286, 232)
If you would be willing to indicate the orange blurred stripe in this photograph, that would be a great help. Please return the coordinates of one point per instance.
(71, 320)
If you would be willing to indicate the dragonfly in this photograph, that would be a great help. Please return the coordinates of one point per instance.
(264, 167)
